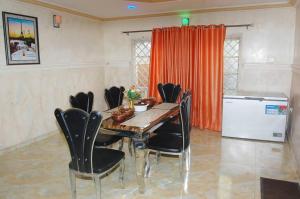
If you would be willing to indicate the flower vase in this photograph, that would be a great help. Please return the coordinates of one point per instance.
(131, 104)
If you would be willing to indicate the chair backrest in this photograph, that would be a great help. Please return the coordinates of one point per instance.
(114, 96)
(83, 101)
(169, 92)
(185, 94)
(80, 130)
(185, 119)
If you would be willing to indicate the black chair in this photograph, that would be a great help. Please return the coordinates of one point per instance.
(172, 127)
(172, 143)
(169, 92)
(114, 96)
(85, 102)
(80, 130)
(185, 94)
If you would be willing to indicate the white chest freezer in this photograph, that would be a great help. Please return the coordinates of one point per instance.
(260, 116)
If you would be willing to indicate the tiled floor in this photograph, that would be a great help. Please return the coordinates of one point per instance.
(221, 168)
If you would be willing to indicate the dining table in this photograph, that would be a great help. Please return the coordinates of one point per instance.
(138, 128)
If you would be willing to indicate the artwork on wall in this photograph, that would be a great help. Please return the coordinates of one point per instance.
(21, 39)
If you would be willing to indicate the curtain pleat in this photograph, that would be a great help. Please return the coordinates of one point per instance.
(191, 56)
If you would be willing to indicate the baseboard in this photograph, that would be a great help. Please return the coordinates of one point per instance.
(28, 142)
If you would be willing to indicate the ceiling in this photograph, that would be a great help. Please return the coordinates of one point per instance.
(108, 9)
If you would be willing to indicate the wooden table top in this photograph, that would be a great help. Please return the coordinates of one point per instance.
(141, 121)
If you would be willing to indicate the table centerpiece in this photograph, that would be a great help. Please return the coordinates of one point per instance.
(133, 94)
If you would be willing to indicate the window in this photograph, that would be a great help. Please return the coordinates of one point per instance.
(231, 65)
(142, 50)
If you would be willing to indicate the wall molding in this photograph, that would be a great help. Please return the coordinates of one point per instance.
(296, 68)
(206, 10)
(125, 63)
(22, 68)
(267, 66)
(28, 142)
(290, 3)
(61, 9)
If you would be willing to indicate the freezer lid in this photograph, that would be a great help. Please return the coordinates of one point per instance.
(256, 96)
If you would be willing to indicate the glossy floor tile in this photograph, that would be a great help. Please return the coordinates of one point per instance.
(221, 168)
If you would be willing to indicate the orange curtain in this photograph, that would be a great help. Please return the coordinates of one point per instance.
(191, 56)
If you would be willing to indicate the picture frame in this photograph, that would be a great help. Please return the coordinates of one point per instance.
(21, 39)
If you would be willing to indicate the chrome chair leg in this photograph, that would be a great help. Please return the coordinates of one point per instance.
(157, 157)
(98, 186)
(73, 183)
(130, 146)
(147, 167)
(121, 144)
(186, 182)
(121, 176)
(181, 159)
(188, 158)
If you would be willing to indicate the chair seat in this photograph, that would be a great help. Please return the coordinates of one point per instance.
(106, 140)
(170, 128)
(170, 143)
(104, 159)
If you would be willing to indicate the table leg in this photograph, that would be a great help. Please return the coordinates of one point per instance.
(140, 162)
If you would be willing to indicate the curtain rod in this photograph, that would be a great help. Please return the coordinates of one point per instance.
(227, 26)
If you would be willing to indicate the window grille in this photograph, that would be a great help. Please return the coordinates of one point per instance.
(231, 65)
(142, 50)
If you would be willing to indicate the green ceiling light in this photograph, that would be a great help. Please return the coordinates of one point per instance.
(185, 21)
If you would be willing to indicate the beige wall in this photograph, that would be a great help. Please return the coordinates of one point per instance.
(295, 94)
(71, 61)
(267, 48)
(88, 55)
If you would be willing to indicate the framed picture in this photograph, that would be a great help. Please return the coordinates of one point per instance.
(21, 39)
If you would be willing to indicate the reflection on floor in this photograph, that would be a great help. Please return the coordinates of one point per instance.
(220, 168)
